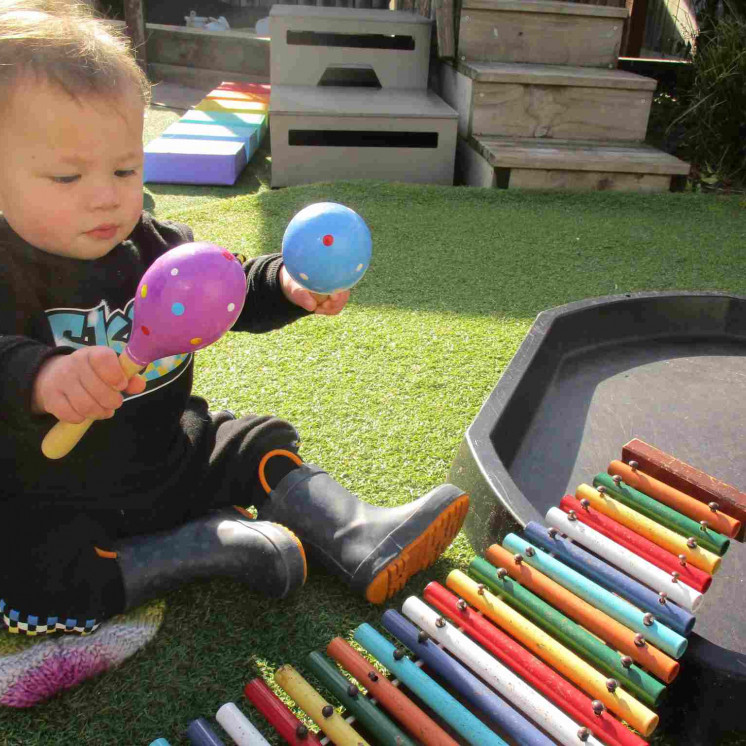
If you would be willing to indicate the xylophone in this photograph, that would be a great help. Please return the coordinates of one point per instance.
(567, 633)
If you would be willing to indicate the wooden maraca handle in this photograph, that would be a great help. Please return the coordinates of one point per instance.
(64, 436)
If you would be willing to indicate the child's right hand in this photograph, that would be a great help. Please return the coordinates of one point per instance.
(87, 384)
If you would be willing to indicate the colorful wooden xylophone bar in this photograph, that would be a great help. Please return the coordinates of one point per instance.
(568, 633)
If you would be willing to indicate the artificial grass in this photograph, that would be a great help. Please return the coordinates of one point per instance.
(381, 394)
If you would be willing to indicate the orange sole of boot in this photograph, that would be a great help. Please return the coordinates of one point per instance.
(420, 554)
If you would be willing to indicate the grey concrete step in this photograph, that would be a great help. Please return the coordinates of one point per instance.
(307, 40)
(329, 133)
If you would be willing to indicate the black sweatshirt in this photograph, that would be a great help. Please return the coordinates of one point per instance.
(157, 442)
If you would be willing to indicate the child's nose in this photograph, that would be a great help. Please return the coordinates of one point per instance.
(104, 194)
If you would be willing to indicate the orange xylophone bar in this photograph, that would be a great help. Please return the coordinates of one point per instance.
(664, 493)
(279, 715)
(395, 702)
(637, 543)
(609, 630)
(591, 713)
(688, 479)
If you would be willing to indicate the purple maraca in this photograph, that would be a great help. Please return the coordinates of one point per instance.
(187, 299)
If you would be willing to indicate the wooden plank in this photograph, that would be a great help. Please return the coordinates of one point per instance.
(445, 30)
(550, 7)
(574, 155)
(568, 75)
(529, 37)
(595, 181)
(687, 478)
(134, 21)
(229, 51)
(557, 111)
(200, 78)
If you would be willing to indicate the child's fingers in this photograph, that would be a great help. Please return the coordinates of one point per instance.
(104, 362)
(303, 298)
(334, 303)
(136, 385)
(76, 404)
(103, 396)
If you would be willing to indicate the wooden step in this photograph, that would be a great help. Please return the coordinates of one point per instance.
(306, 41)
(567, 164)
(547, 101)
(330, 133)
(540, 31)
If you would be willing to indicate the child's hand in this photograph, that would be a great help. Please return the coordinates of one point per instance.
(86, 384)
(329, 305)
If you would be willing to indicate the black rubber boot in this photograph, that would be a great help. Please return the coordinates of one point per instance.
(268, 558)
(374, 550)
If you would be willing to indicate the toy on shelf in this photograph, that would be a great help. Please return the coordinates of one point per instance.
(186, 300)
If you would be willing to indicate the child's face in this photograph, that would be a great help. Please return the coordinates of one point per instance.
(71, 170)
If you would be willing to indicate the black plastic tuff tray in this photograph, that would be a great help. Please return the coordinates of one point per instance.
(668, 368)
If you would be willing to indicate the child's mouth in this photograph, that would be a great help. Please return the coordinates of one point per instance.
(103, 231)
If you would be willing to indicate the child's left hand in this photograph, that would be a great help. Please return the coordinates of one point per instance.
(331, 305)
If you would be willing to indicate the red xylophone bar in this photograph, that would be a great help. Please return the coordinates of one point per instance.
(395, 702)
(609, 630)
(658, 556)
(688, 479)
(279, 715)
(553, 686)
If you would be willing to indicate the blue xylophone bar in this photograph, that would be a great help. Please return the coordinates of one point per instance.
(200, 733)
(456, 715)
(497, 712)
(669, 614)
(662, 637)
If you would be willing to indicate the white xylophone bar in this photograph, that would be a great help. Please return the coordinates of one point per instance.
(624, 559)
(499, 677)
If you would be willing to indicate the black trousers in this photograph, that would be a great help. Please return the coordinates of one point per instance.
(52, 574)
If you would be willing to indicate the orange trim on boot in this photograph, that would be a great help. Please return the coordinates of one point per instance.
(300, 546)
(294, 457)
(420, 554)
(105, 554)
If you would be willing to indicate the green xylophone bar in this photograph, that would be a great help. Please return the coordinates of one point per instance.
(569, 633)
(364, 711)
(665, 515)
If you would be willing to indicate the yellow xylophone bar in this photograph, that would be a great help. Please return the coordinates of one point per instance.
(660, 535)
(317, 708)
(611, 631)
(546, 647)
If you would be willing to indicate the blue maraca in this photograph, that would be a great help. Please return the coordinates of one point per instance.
(326, 247)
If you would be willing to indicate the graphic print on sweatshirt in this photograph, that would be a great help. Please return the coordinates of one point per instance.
(79, 327)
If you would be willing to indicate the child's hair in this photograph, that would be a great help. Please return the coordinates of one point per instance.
(61, 41)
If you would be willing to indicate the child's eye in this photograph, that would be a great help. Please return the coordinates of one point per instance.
(65, 179)
(125, 172)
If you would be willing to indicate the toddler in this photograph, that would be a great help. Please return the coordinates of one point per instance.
(146, 500)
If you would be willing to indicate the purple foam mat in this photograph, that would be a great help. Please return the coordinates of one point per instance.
(192, 161)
